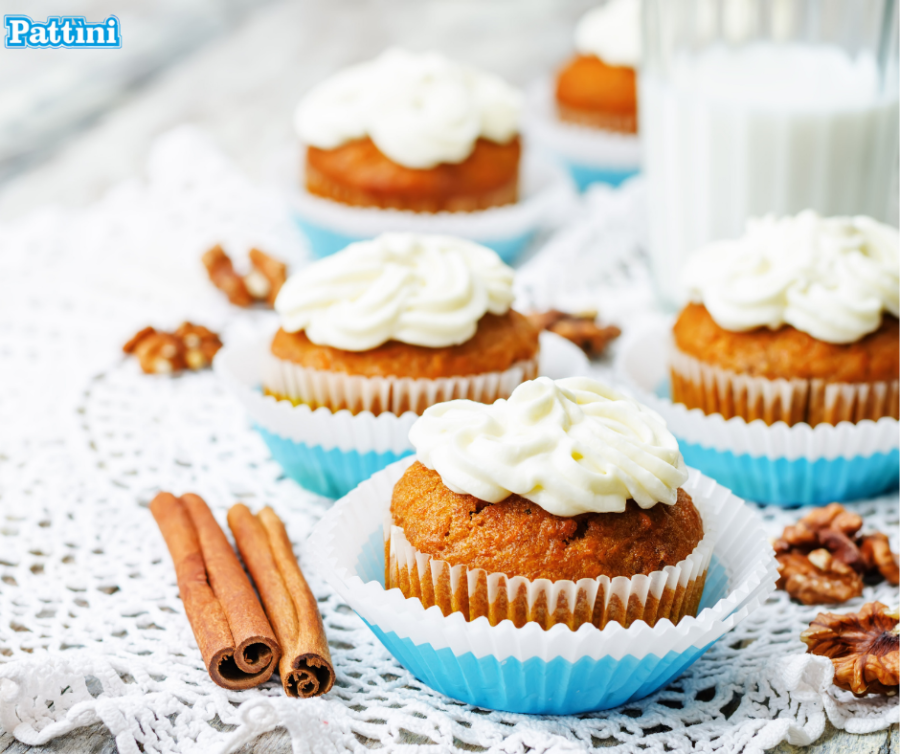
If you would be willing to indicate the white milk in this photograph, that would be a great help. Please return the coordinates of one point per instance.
(739, 132)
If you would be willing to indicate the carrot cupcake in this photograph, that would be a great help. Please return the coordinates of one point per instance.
(412, 132)
(597, 88)
(546, 554)
(397, 324)
(587, 115)
(564, 483)
(795, 322)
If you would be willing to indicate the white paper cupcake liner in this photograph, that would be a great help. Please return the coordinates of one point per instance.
(546, 195)
(330, 452)
(530, 669)
(670, 593)
(397, 395)
(815, 401)
(575, 144)
(779, 464)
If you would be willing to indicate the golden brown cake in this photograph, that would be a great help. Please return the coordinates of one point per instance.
(518, 538)
(591, 93)
(498, 343)
(357, 173)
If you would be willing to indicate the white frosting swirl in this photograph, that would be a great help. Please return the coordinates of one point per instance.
(612, 33)
(829, 277)
(419, 289)
(571, 446)
(419, 109)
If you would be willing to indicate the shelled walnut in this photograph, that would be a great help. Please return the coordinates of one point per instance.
(581, 329)
(823, 558)
(261, 284)
(862, 646)
(189, 347)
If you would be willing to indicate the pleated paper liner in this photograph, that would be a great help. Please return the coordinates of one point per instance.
(671, 593)
(776, 463)
(338, 391)
(529, 668)
(715, 390)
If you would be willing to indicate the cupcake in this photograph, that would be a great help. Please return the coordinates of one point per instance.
(597, 88)
(397, 324)
(545, 554)
(586, 117)
(794, 322)
(562, 504)
(412, 132)
(417, 142)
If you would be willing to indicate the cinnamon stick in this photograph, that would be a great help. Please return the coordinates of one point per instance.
(305, 667)
(235, 639)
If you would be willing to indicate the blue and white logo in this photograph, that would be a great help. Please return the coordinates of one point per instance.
(62, 31)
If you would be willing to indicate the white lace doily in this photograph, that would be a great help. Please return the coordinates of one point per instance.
(91, 627)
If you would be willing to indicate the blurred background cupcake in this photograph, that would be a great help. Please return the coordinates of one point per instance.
(588, 116)
(434, 142)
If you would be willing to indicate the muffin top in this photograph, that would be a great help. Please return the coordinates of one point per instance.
(571, 446)
(423, 290)
(612, 32)
(519, 538)
(420, 110)
(832, 278)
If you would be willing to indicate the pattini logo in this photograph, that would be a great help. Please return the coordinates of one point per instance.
(62, 31)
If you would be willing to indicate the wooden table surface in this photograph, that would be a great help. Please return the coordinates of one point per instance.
(241, 87)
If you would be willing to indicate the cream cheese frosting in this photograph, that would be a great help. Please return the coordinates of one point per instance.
(425, 290)
(571, 446)
(612, 33)
(420, 110)
(829, 277)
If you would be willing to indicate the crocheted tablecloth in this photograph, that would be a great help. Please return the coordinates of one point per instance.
(91, 627)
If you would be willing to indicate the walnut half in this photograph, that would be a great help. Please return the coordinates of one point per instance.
(823, 558)
(862, 646)
(261, 284)
(189, 347)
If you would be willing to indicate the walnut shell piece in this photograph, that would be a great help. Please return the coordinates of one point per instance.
(580, 329)
(863, 647)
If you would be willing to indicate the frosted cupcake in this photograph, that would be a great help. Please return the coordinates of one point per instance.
(563, 504)
(417, 142)
(587, 115)
(397, 324)
(795, 322)
(598, 88)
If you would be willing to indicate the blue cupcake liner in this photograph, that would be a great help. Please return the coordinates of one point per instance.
(776, 464)
(330, 472)
(779, 481)
(528, 669)
(324, 241)
(585, 175)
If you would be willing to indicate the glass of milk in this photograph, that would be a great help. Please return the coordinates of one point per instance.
(756, 106)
